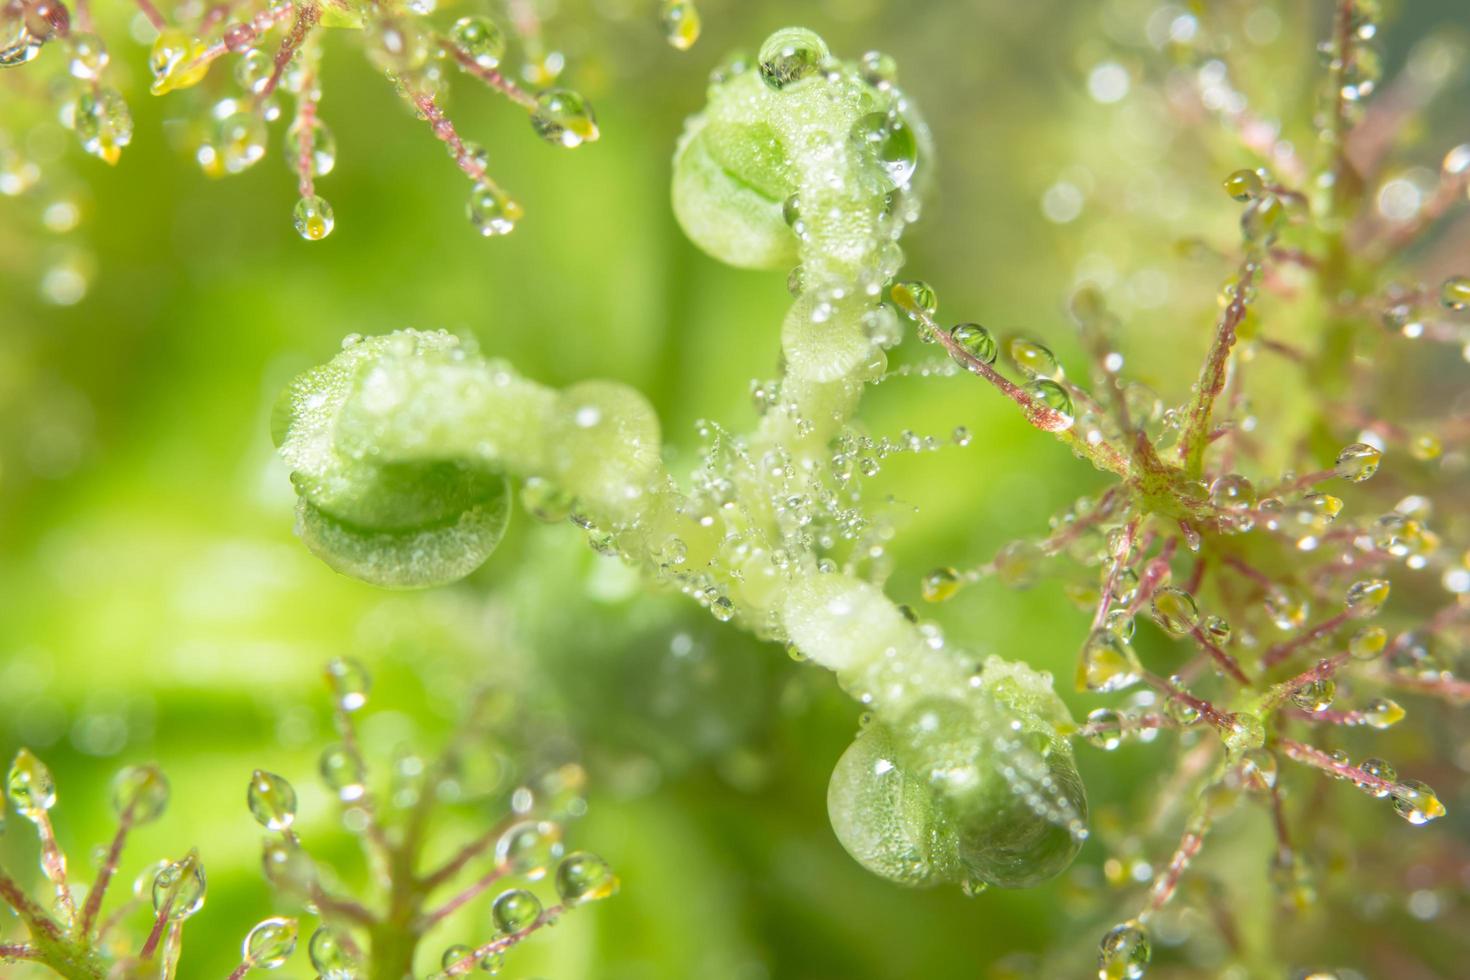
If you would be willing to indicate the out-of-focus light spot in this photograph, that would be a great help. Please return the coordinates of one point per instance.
(63, 285)
(1457, 161)
(1062, 202)
(61, 216)
(1399, 199)
(1424, 904)
(1108, 83)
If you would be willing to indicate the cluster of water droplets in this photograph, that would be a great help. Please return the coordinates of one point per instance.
(275, 53)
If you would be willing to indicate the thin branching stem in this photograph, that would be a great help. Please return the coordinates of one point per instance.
(1193, 440)
(105, 873)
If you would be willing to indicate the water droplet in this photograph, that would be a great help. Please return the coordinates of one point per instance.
(891, 143)
(1107, 664)
(103, 123)
(529, 848)
(1244, 732)
(455, 954)
(1124, 952)
(491, 210)
(940, 584)
(1379, 769)
(331, 954)
(1358, 462)
(1416, 802)
(480, 38)
(343, 774)
(1315, 695)
(1218, 629)
(1183, 713)
(1368, 642)
(180, 887)
(323, 157)
(1257, 770)
(1054, 397)
(1033, 358)
(722, 608)
(1244, 185)
(88, 56)
(17, 44)
(313, 218)
(270, 944)
(791, 55)
(272, 800)
(1454, 293)
(30, 786)
(1175, 611)
(1286, 609)
(1383, 713)
(176, 61)
(584, 877)
(515, 910)
(140, 792)
(1106, 729)
(681, 23)
(1233, 492)
(1366, 597)
(914, 298)
(976, 341)
(878, 68)
(349, 682)
(1262, 220)
(562, 117)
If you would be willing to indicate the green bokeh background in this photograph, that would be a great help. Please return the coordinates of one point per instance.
(155, 606)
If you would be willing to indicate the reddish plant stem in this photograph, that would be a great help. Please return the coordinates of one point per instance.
(31, 913)
(1127, 724)
(307, 16)
(468, 963)
(1103, 455)
(1225, 661)
(18, 951)
(1189, 846)
(444, 130)
(1278, 819)
(159, 922)
(1206, 710)
(1192, 440)
(489, 76)
(1328, 717)
(1196, 576)
(1317, 759)
(238, 37)
(305, 127)
(1066, 535)
(1155, 573)
(1255, 575)
(1282, 650)
(474, 889)
(154, 17)
(348, 733)
(53, 862)
(1323, 670)
(1120, 562)
(467, 853)
(1448, 688)
(105, 873)
(330, 904)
